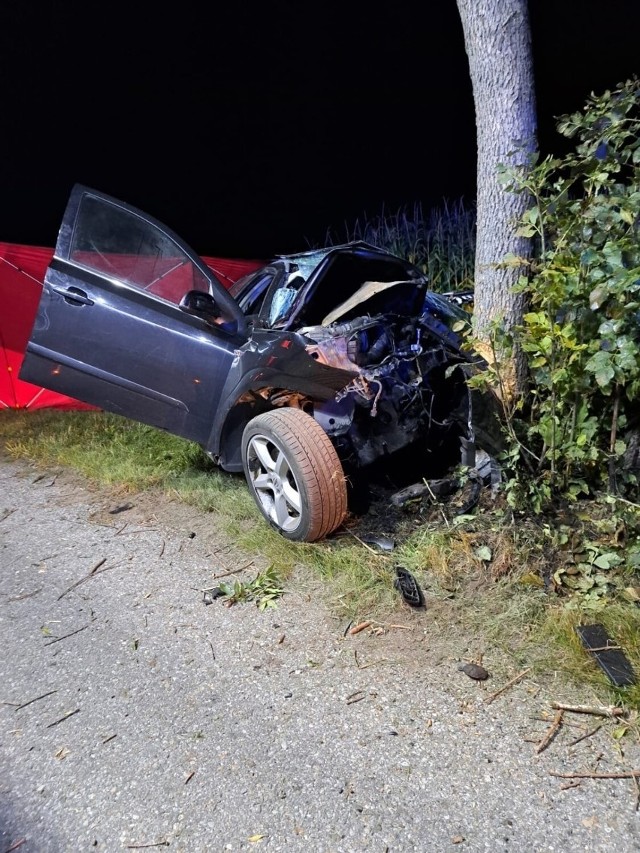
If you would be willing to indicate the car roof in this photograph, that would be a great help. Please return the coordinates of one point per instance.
(319, 254)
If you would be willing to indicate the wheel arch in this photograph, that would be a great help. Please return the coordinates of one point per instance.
(248, 406)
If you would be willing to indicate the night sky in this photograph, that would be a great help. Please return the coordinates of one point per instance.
(252, 133)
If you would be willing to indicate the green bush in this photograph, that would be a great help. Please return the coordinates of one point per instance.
(575, 430)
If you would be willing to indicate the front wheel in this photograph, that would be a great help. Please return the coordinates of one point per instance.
(294, 474)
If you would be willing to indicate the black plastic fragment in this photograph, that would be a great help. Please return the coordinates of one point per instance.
(408, 587)
(120, 508)
(210, 595)
(382, 542)
(608, 654)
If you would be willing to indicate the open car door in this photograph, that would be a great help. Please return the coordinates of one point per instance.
(110, 329)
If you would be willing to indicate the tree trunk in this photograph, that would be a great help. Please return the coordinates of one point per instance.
(498, 44)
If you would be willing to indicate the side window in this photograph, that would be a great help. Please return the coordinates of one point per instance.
(117, 243)
(252, 299)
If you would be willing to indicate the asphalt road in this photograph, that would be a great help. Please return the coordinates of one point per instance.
(134, 716)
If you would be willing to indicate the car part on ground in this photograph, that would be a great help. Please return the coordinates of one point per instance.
(408, 587)
(608, 654)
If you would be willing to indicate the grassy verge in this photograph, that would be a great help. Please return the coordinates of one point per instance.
(482, 575)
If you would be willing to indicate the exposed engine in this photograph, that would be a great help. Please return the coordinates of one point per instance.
(401, 391)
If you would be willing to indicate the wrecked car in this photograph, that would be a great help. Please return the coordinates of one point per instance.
(308, 369)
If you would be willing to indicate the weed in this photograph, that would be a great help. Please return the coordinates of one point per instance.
(265, 589)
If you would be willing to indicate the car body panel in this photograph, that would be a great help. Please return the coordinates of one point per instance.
(109, 328)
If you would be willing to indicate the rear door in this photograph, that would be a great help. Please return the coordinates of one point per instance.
(109, 329)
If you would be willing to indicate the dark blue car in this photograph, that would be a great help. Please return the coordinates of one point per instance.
(313, 366)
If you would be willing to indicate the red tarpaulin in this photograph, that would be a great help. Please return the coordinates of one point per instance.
(22, 271)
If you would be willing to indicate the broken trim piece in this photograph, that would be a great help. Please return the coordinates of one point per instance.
(608, 655)
(408, 587)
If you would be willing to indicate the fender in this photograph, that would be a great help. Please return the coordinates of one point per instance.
(269, 360)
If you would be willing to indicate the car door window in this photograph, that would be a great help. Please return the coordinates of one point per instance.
(251, 295)
(118, 243)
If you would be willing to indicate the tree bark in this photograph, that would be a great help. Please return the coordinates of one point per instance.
(498, 45)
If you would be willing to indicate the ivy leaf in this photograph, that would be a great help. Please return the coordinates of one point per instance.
(526, 231)
(606, 561)
(483, 553)
(600, 365)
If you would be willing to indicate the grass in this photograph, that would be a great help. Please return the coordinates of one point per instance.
(481, 576)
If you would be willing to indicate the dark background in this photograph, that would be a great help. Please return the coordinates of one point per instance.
(252, 132)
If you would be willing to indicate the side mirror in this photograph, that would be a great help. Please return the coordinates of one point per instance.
(200, 304)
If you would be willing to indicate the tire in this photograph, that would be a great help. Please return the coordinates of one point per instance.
(294, 474)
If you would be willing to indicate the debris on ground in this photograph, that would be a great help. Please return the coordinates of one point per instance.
(608, 654)
(408, 587)
(593, 710)
(210, 595)
(551, 732)
(434, 488)
(121, 508)
(360, 627)
(385, 543)
(505, 687)
(474, 670)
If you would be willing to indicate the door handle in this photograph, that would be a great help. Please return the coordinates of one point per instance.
(73, 295)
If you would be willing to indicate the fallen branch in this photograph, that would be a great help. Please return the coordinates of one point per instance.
(574, 784)
(26, 595)
(62, 719)
(438, 504)
(31, 701)
(373, 663)
(551, 732)
(505, 687)
(72, 634)
(357, 628)
(629, 774)
(15, 845)
(364, 544)
(585, 736)
(604, 648)
(637, 790)
(93, 571)
(601, 711)
(233, 571)
(143, 529)
(140, 846)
